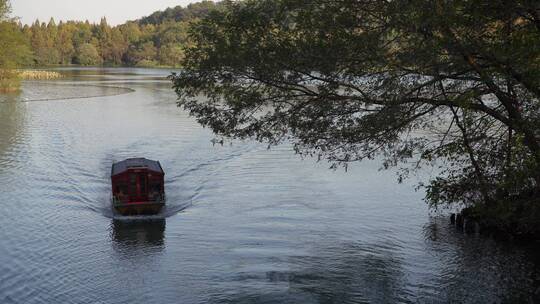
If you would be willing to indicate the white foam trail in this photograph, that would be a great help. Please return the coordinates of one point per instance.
(167, 211)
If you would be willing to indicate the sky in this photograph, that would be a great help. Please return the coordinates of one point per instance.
(116, 11)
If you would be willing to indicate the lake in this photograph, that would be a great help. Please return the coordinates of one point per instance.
(243, 223)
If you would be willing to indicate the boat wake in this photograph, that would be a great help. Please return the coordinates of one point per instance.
(48, 91)
(167, 211)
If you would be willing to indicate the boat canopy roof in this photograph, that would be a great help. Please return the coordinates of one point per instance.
(136, 163)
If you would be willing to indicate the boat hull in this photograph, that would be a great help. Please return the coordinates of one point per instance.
(139, 208)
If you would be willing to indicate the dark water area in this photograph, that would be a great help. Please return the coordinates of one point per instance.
(243, 223)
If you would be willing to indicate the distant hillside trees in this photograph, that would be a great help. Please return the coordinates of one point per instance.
(14, 49)
(156, 40)
(179, 14)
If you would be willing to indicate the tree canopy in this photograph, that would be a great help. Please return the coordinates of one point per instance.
(180, 14)
(156, 40)
(5, 9)
(14, 50)
(88, 55)
(453, 84)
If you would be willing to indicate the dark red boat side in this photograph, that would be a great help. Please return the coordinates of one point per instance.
(138, 186)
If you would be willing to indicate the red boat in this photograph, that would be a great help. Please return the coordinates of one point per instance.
(137, 186)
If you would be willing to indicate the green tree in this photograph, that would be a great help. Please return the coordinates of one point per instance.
(133, 43)
(103, 35)
(64, 43)
(171, 54)
(82, 34)
(179, 14)
(172, 32)
(14, 49)
(131, 32)
(88, 54)
(145, 52)
(446, 83)
(117, 46)
(5, 9)
(43, 43)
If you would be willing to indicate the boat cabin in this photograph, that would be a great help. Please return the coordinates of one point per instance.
(137, 186)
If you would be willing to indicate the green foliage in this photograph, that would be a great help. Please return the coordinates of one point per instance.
(171, 54)
(451, 84)
(88, 55)
(5, 9)
(512, 216)
(9, 81)
(146, 63)
(142, 51)
(14, 50)
(157, 40)
(179, 14)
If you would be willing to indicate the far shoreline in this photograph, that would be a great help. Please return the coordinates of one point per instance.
(57, 67)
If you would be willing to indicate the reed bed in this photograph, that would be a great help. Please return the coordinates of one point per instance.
(9, 81)
(39, 75)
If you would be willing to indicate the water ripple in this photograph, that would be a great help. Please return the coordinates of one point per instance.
(242, 224)
(49, 91)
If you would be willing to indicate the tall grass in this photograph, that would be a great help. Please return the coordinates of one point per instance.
(39, 75)
(10, 81)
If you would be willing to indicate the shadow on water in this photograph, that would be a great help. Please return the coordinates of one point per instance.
(462, 269)
(356, 273)
(11, 121)
(341, 272)
(479, 269)
(171, 208)
(138, 234)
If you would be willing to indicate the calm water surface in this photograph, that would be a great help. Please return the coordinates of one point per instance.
(244, 224)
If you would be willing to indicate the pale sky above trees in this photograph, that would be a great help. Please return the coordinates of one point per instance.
(116, 11)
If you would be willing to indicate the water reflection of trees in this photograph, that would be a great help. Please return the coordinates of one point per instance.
(478, 269)
(134, 235)
(343, 272)
(11, 121)
(351, 273)
(452, 268)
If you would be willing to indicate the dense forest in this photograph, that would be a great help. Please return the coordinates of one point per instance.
(156, 40)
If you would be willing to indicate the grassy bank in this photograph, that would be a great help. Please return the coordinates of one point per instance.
(10, 81)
